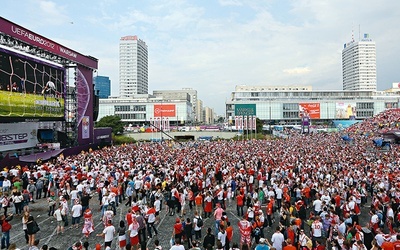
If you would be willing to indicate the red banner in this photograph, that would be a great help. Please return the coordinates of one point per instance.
(164, 110)
(311, 110)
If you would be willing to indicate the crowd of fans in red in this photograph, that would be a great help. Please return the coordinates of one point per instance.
(313, 188)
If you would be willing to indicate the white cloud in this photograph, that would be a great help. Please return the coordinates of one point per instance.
(297, 71)
(230, 3)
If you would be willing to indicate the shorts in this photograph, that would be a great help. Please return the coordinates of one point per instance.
(134, 240)
(75, 220)
(107, 243)
(60, 223)
(245, 239)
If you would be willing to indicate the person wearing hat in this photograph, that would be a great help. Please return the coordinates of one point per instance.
(263, 244)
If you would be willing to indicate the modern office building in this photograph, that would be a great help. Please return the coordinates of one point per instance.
(279, 104)
(208, 115)
(199, 111)
(102, 86)
(142, 109)
(133, 67)
(188, 94)
(359, 65)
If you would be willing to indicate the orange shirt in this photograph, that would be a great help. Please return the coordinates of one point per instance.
(289, 247)
(306, 192)
(198, 200)
(229, 233)
(386, 245)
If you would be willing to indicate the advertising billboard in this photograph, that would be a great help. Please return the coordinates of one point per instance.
(311, 110)
(30, 88)
(345, 110)
(164, 110)
(84, 95)
(13, 137)
(245, 109)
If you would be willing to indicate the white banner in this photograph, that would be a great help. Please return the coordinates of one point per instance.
(23, 135)
(85, 127)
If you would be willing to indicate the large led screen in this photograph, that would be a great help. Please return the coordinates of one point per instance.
(30, 88)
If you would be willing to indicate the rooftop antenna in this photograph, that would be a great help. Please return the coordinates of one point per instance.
(352, 35)
(359, 32)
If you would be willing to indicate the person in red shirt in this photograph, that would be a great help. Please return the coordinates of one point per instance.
(178, 230)
(269, 212)
(240, 204)
(229, 234)
(386, 245)
(128, 217)
(337, 203)
(319, 246)
(396, 244)
(289, 245)
(198, 200)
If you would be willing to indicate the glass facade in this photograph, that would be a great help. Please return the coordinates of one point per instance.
(102, 84)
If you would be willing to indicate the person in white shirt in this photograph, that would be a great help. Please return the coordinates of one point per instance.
(222, 235)
(60, 224)
(73, 196)
(6, 185)
(279, 193)
(76, 211)
(178, 245)
(277, 239)
(317, 204)
(316, 230)
(108, 234)
(379, 237)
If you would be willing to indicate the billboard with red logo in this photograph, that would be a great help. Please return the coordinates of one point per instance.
(311, 110)
(164, 110)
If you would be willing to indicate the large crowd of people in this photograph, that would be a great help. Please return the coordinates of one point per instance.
(313, 189)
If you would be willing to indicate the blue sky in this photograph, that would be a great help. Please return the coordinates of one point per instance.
(212, 46)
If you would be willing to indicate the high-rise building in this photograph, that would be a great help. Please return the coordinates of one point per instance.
(133, 71)
(102, 84)
(359, 65)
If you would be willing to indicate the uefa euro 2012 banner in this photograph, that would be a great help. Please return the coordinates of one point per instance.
(29, 87)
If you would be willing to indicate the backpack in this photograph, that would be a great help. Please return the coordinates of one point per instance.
(257, 231)
(5, 226)
(200, 222)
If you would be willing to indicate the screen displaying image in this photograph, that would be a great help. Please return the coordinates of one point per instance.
(30, 88)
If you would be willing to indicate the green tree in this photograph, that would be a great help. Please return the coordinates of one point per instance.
(113, 122)
(259, 125)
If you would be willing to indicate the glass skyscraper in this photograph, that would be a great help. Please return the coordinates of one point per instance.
(102, 84)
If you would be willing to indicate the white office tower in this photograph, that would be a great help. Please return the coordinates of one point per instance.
(133, 69)
(359, 65)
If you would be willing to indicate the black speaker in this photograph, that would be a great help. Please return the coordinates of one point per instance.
(95, 107)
